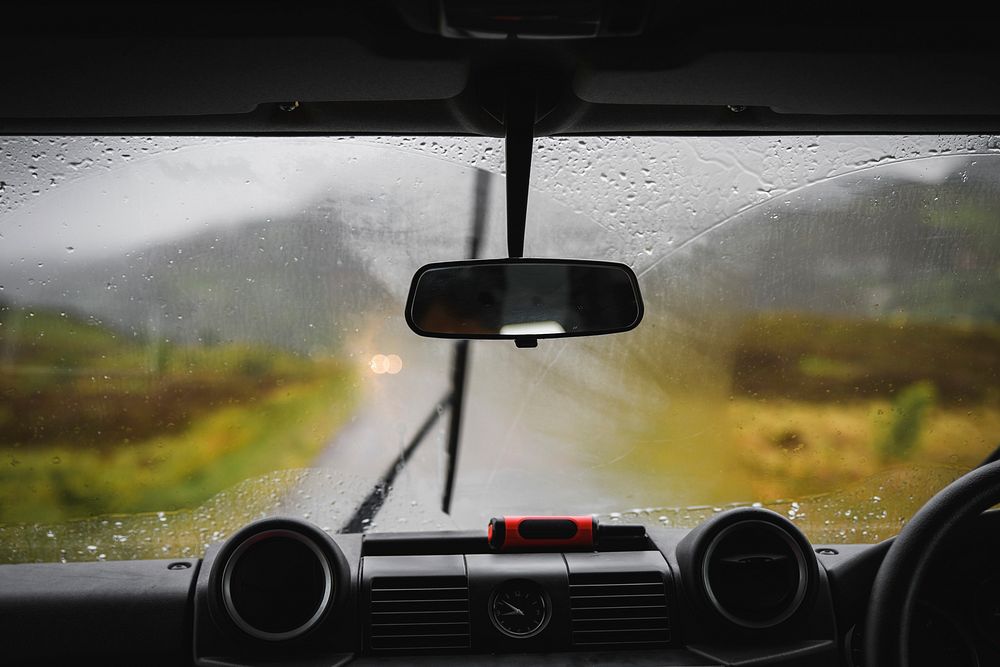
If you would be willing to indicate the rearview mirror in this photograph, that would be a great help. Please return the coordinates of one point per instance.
(523, 299)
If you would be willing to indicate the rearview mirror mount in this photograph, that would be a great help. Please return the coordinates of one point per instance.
(522, 299)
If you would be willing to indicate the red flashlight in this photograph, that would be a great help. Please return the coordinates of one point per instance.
(531, 532)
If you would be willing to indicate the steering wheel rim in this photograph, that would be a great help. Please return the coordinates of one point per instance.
(894, 593)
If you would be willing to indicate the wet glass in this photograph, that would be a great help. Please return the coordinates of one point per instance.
(196, 332)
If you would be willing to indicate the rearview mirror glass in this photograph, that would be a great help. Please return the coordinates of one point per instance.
(523, 299)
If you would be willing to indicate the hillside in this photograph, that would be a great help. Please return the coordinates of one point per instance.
(295, 283)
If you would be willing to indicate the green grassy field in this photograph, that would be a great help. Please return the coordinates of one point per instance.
(821, 403)
(846, 426)
(794, 448)
(93, 422)
(828, 412)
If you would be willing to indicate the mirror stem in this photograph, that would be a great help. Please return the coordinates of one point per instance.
(519, 124)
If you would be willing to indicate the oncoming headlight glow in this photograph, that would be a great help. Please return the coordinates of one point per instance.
(386, 363)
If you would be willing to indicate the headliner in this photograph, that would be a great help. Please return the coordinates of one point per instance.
(379, 67)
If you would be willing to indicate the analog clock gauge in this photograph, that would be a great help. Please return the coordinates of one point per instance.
(520, 608)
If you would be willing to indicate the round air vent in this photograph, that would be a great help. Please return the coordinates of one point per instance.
(755, 574)
(751, 567)
(277, 579)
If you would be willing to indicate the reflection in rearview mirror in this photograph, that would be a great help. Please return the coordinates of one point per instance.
(523, 299)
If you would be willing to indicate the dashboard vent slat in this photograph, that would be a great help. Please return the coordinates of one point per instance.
(419, 614)
(619, 609)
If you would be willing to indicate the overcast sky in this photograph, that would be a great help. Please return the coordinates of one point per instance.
(649, 194)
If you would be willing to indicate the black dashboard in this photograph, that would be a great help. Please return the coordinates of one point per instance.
(744, 588)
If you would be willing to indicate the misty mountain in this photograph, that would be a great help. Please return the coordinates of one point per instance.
(299, 283)
(860, 247)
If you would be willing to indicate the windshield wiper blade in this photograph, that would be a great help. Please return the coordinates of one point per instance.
(373, 502)
(460, 364)
(459, 369)
(454, 400)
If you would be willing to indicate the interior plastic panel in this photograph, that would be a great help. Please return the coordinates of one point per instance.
(218, 643)
(98, 70)
(136, 612)
(660, 658)
(155, 612)
(488, 571)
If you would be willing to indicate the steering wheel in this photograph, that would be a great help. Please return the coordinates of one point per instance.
(894, 593)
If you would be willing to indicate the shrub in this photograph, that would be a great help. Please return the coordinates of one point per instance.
(909, 412)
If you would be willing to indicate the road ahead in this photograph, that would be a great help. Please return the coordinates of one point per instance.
(507, 462)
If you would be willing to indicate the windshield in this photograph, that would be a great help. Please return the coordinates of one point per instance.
(197, 332)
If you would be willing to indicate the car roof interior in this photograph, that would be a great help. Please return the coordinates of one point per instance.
(440, 67)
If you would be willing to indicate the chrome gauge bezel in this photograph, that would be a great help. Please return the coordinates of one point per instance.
(329, 586)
